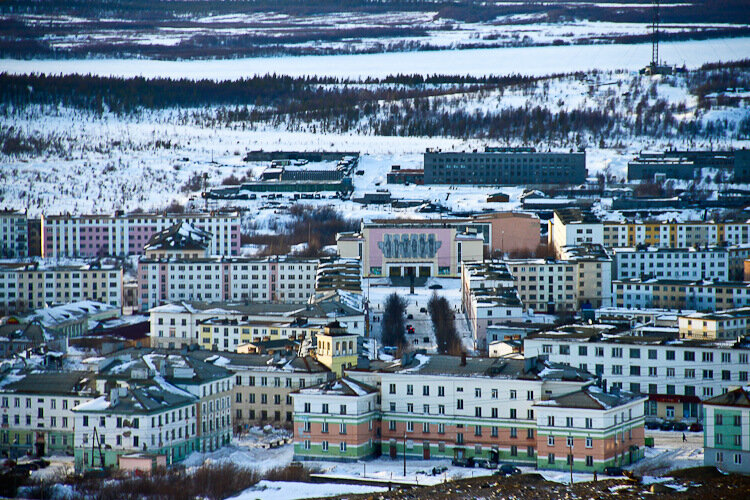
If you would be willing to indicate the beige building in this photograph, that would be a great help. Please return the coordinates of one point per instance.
(725, 325)
(263, 383)
(33, 285)
(582, 276)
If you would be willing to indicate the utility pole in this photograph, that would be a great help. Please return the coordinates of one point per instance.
(404, 455)
(571, 462)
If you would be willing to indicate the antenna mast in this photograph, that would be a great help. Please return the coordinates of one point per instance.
(655, 36)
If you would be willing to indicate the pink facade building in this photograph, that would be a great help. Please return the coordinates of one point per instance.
(121, 235)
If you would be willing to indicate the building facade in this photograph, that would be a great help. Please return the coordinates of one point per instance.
(504, 166)
(701, 296)
(726, 438)
(270, 279)
(37, 412)
(33, 285)
(411, 248)
(336, 421)
(184, 323)
(650, 364)
(730, 324)
(122, 235)
(689, 264)
(14, 235)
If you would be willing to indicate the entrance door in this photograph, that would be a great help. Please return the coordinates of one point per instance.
(393, 451)
(426, 451)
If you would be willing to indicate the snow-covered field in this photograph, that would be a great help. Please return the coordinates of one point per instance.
(479, 62)
(284, 490)
(112, 162)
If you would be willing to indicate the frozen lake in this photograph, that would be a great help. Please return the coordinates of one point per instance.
(496, 61)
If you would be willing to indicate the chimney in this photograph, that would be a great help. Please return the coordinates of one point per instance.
(463, 358)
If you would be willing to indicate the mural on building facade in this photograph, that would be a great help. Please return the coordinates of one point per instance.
(409, 246)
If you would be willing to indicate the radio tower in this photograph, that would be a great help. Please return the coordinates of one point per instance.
(655, 68)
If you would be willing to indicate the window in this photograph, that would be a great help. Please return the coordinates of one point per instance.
(551, 458)
(513, 413)
(550, 421)
(324, 445)
(513, 394)
(459, 404)
(410, 426)
(425, 390)
(342, 428)
(589, 442)
(392, 389)
(409, 390)
(589, 461)
(589, 422)
(425, 428)
(529, 395)
(550, 440)
(568, 421)
(441, 391)
(324, 427)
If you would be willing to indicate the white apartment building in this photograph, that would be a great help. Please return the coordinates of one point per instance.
(14, 234)
(209, 385)
(158, 419)
(488, 297)
(573, 227)
(37, 412)
(182, 323)
(34, 285)
(121, 235)
(649, 364)
(672, 263)
(702, 295)
(269, 279)
(724, 325)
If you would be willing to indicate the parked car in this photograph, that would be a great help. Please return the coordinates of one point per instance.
(696, 427)
(436, 286)
(463, 462)
(410, 316)
(436, 471)
(507, 470)
(667, 426)
(423, 310)
(613, 471)
(680, 426)
(652, 424)
(485, 464)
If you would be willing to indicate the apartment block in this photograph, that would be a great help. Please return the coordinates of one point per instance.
(127, 234)
(730, 324)
(37, 412)
(581, 276)
(590, 429)
(654, 365)
(14, 235)
(130, 419)
(263, 385)
(701, 296)
(671, 263)
(206, 385)
(337, 420)
(726, 439)
(182, 323)
(268, 279)
(491, 408)
(488, 297)
(34, 285)
(504, 166)
(573, 226)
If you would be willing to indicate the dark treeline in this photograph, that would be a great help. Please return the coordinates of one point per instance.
(286, 94)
